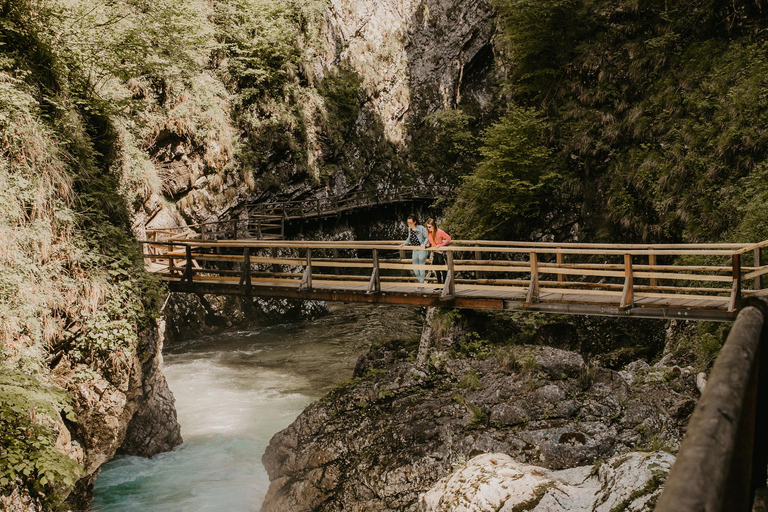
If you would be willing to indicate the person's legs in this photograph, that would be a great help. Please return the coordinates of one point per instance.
(420, 258)
(439, 259)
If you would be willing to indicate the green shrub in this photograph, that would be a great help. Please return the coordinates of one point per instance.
(29, 458)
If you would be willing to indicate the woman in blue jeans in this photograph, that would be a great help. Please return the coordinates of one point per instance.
(417, 236)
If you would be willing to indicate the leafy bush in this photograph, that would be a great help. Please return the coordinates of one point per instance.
(508, 190)
(28, 455)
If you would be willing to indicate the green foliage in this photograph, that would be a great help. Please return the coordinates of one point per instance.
(445, 147)
(28, 457)
(700, 344)
(263, 47)
(471, 381)
(472, 345)
(507, 192)
(653, 111)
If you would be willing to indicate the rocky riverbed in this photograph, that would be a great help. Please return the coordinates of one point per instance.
(414, 413)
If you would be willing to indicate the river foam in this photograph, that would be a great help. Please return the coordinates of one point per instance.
(233, 392)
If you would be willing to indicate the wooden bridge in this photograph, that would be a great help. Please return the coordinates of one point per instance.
(681, 281)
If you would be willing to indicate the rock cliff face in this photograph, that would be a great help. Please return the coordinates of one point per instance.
(125, 405)
(414, 56)
(391, 433)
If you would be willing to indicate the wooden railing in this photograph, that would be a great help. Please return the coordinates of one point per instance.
(267, 220)
(256, 226)
(694, 276)
(723, 458)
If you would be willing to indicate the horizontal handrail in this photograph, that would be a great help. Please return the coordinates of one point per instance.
(620, 273)
(723, 457)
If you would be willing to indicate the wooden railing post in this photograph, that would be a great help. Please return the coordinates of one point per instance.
(478, 273)
(533, 289)
(337, 270)
(189, 272)
(652, 262)
(758, 263)
(306, 279)
(628, 294)
(374, 285)
(736, 287)
(245, 278)
(560, 277)
(171, 262)
(449, 288)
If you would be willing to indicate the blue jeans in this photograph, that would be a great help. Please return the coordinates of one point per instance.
(420, 258)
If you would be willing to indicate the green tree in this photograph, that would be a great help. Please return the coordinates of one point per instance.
(511, 190)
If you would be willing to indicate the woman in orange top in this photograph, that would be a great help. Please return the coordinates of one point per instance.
(437, 238)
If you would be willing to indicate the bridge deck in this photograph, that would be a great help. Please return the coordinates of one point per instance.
(699, 282)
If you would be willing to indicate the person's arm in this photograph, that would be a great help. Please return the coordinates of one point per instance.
(443, 237)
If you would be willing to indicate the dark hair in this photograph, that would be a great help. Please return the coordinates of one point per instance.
(414, 218)
(431, 222)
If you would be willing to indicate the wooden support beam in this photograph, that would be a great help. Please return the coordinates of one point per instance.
(449, 287)
(533, 288)
(374, 286)
(560, 261)
(306, 279)
(628, 293)
(758, 283)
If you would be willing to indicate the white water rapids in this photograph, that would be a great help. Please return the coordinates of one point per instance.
(233, 392)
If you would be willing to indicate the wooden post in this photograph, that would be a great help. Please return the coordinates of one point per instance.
(478, 273)
(189, 272)
(652, 261)
(560, 277)
(533, 289)
(337, 270)
(758, 263)
(275, 266)
(736, 288)
(171, 262)
(306, 279)
(628, 294)
(449, 288)
(245, 278)
(374, 286)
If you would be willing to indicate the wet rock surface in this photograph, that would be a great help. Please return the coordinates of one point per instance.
(391, 433)
(630, 482)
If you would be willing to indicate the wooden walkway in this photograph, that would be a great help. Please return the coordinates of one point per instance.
(683, 281)
(267, 221)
